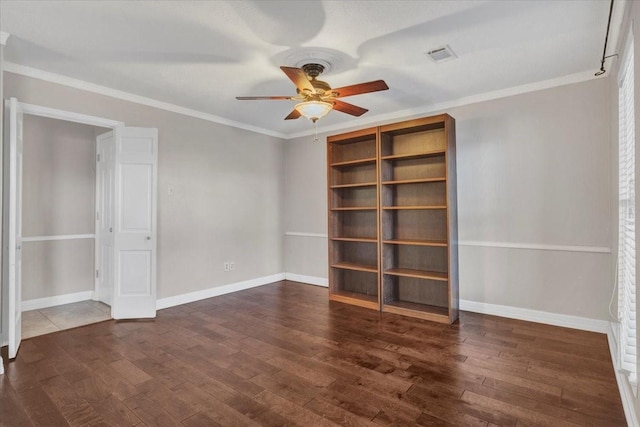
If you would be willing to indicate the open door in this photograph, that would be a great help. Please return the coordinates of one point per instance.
(12, 222)
(127, 221)
(105, 183)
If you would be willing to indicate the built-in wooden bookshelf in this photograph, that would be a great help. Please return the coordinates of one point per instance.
(393, 218)
(352, 170)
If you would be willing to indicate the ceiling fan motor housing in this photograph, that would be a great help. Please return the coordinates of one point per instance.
(312, 71)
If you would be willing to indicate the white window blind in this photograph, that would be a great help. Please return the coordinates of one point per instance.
(627, 219)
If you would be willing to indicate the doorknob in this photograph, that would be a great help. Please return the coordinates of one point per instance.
(148, 237)
(19, 247)
(110, 229)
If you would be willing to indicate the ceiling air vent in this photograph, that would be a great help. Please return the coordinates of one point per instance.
(441, 54)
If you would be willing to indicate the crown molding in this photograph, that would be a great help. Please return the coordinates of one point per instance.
(371, 120)
(621, 10)
(410, 113)
(126, 96)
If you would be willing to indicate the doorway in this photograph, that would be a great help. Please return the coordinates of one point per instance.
(58, 222)
(124, 218)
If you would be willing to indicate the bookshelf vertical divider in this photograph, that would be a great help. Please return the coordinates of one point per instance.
(393, 218)
(352, 174)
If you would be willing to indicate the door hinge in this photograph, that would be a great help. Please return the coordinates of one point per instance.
(98, 157)
(97, 274)
(97, 216)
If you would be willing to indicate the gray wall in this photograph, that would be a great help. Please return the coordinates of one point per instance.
(229, 191)
(58, 198)
(532, 169)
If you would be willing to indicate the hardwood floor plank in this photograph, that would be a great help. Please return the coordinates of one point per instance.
(116, 413)
(336, 414)
(296, 414)
(571, 375)
(282, 354)
(149, 411)
(40, 409)
(200, 420)
(318, 379)
(74, 408)
(357, 407)
(130, 372)
(25, 376)
(247, 366)
(267, 352)
(159, 372)
(455, 410)
(171, 402)
(393, 408)
(114, 381)
(515, 379)
(92, 389)
(225, 415)
(219, 390)
(523, 415)
(13, 412)
(365, 370)
(499, 365)
(198, 397)
(288, 386)
(256, 411)
(430, 421)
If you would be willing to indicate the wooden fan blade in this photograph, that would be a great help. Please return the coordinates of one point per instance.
(253, 98)
(360, 88)
(293, 115)
(299, 78)
(354, 110)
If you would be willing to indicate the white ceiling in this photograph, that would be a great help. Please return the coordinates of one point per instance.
(202, 54)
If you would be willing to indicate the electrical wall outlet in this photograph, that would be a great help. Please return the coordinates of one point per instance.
(227, 267)
(232, 265)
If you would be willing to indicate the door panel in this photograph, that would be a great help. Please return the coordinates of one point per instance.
(12, 257)
(135, 225)
(135, 273)
(104, 217)
(136, 214)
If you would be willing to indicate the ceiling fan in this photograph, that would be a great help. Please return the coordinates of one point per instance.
(318, 98)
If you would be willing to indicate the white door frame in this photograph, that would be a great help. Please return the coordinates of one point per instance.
(69, 116)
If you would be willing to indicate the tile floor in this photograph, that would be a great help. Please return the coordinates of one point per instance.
(67, 316)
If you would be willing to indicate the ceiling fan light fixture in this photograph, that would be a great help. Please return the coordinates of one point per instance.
(314, 110)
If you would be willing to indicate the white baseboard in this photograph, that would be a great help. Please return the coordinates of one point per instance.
(218, 290)
(575, 322)
(626, 395)
(40, 303)
(311, 280)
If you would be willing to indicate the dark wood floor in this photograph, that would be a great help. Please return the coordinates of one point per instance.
(282, 354)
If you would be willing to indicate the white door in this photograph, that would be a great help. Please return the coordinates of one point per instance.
(134, 231)
(105, 183)
(12, 220)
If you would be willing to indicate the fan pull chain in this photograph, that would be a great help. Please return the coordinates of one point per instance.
(315, 130)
